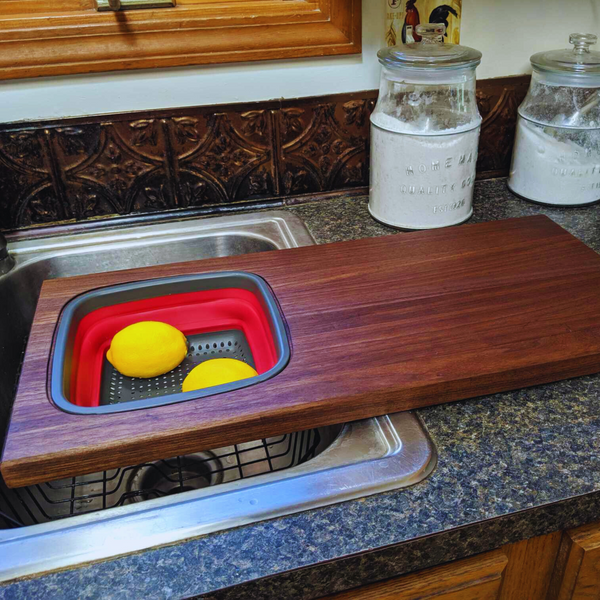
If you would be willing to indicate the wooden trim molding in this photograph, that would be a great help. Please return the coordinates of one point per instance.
(72, 37)
(576, 574)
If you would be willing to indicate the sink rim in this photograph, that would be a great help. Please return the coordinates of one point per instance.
(291, 229)
(102, 535)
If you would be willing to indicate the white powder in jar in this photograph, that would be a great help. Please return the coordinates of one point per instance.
(421, 181)
(555, 165)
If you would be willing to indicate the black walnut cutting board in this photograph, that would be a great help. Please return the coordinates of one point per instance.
(377, 326)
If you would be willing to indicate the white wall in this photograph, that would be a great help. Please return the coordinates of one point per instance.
(506, 31)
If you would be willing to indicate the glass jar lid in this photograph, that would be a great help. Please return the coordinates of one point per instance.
(430, 53)
(581, 59)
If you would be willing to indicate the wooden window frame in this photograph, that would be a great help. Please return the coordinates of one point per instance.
(66, 40)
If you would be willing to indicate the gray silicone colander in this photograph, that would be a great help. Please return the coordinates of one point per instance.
(119, 393)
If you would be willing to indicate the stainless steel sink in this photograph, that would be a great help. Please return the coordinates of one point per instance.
(64, 523)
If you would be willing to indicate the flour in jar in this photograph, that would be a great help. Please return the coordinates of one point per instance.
(421, 181)
(555, 165)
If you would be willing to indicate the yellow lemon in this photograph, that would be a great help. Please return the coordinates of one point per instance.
(147, 349)
(217, 372)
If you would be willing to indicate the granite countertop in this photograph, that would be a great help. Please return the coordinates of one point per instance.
(511, 466)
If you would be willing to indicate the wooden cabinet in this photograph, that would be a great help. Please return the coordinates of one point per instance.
(576, 573)
(530, 567)
(475, 578)
(557, 566)
(55, 37)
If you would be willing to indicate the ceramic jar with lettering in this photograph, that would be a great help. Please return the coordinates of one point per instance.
(425, 133)
(556, 158)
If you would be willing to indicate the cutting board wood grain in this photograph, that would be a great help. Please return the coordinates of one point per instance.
(377, 326)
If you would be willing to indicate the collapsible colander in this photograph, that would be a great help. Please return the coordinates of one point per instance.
(223, 315)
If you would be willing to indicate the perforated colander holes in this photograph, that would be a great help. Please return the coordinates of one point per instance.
(113, 386)
(239, 351)
(116, 385)
(212, 346)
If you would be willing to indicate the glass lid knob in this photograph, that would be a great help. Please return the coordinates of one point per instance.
(582, 42)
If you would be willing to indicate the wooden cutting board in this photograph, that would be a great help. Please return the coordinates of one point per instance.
(377, 326)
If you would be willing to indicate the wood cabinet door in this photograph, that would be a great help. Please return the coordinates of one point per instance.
(530, 567)
(519, 571)
(476, 578)
(577, 570)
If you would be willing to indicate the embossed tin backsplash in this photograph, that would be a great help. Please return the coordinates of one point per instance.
(211, 159)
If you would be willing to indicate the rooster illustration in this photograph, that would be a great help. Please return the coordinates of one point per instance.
(441, 14)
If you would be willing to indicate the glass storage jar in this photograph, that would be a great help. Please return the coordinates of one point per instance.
(425, 133)
(556, 158)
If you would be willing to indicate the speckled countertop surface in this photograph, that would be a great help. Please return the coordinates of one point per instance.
(510, 466)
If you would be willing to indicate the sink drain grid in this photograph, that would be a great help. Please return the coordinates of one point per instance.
(116, 487)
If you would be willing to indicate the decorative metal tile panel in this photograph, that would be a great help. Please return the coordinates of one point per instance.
(210, 158)
(324, 147)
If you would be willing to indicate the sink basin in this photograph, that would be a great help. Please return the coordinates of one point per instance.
(63, 523)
